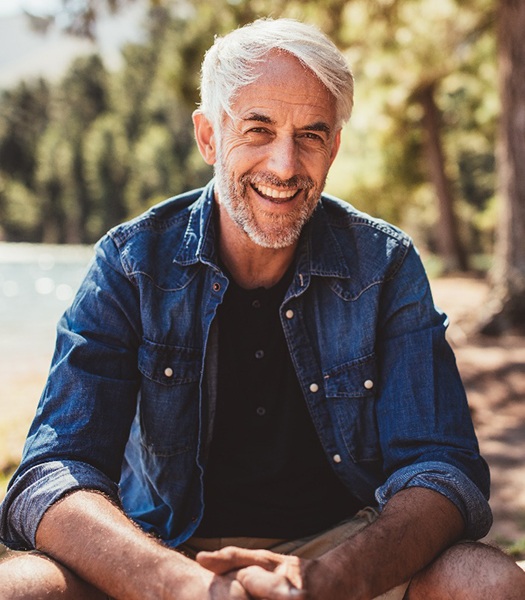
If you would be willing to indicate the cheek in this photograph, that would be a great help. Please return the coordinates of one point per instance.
(239, 155)
(323, 164)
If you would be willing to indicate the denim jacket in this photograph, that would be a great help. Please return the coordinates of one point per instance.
(128, 406)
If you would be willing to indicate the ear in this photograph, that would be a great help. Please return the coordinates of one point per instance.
(205, 137)
(335, 147)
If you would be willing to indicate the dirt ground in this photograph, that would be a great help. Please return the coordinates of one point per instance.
(493, 371)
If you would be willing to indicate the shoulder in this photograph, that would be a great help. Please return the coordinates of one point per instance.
(150, 242)
(346, 219)
(171, 214)
(368, 247)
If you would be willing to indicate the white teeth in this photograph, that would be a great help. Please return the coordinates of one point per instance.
(273, 193)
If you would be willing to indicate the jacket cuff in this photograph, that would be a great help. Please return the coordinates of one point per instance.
(37, 489)
(450, 482)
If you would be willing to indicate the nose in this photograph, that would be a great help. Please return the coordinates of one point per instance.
(283, 159)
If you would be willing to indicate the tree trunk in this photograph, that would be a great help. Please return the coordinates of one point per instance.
(506, 308)
(447, 239)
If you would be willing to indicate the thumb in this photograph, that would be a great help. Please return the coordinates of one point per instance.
(260, 583)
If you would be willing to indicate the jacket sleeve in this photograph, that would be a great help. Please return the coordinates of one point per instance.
(426, 432)
(83, 419)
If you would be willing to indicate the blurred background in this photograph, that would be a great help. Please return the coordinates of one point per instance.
(95, 104)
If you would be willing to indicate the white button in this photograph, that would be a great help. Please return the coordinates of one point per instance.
(289, 314)
(168, 371)
(336, 458)
(314, 387)
(369, 384)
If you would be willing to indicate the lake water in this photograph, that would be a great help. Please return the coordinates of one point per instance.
(37, 283)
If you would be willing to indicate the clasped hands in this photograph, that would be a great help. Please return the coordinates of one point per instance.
(263, 574)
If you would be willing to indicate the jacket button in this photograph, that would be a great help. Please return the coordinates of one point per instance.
(369, 384)
(168, 371)
(336, 458)
(289, 314)
(314, 387)
(216, 286)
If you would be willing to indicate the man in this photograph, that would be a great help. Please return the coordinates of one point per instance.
(245, 369)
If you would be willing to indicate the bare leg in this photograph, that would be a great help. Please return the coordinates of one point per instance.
(469, 571)
(32, 576)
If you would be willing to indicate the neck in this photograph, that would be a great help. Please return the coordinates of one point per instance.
(262, 269)
(251, 265)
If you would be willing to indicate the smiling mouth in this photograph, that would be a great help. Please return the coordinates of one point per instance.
(279, 196)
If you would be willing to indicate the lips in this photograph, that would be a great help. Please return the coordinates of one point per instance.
(279, 196)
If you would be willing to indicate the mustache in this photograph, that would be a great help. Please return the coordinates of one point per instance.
(296, 181)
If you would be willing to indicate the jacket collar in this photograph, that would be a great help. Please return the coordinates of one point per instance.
(198, 242)
(319, 252)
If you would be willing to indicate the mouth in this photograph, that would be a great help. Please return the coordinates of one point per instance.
(276, 195)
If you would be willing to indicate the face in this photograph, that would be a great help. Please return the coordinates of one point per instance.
(273, 154)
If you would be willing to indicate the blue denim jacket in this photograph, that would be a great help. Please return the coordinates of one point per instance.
(128, 406)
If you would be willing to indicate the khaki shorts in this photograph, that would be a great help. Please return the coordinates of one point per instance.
(308, 547)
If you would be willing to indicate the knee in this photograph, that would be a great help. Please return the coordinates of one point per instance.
(32, 576)
(470, 571)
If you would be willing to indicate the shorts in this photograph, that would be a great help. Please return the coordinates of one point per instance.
(308, 547)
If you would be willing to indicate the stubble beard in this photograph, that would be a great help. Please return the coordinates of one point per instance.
(279, 231)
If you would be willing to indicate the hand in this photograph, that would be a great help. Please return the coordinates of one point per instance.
(263, 574)
(202, 584)
(226, 587)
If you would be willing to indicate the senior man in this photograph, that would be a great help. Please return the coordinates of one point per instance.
(251, 394)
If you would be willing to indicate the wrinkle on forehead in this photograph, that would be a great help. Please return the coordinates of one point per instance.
(283, 71)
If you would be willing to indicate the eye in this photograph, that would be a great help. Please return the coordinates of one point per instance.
(311, 135)
(260, 130)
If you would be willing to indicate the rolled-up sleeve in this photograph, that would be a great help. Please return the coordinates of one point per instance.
(37, 489)
(450, 482)
(426, 433)
(83, 419)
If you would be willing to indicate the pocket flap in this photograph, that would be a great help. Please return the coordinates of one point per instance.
(169, 365)
(356, 379)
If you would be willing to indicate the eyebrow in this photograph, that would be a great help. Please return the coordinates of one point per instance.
(317, 126)
(259, 118)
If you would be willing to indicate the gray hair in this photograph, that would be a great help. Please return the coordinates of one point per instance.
(231, 63)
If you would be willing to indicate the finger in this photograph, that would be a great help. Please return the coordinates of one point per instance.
(231, 558)
(222, 587)
(260, 583)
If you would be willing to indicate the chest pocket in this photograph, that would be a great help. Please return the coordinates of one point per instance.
(169, 398)
(351, 393)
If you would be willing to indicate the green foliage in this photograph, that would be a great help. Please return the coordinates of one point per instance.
(99, 147)
(19, 211)
(106, 165)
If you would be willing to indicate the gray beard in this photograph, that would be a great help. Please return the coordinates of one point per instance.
(283, 230)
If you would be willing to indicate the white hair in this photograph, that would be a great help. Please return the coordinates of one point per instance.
(232, 61)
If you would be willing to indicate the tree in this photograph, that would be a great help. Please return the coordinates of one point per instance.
(506, 309)
(60, 219)
(23, 117)
(105, 154)
(80, 99)
(411, 79)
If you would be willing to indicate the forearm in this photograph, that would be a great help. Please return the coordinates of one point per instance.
(94, 539)
(414, 527)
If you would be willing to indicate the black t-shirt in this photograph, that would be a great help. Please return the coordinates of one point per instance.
(267, 475)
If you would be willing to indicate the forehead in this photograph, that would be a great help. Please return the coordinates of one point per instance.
(286, 87)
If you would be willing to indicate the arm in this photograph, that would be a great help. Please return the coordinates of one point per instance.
(416, 525)
(90, 395)
(87, 533)
(431, 443)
